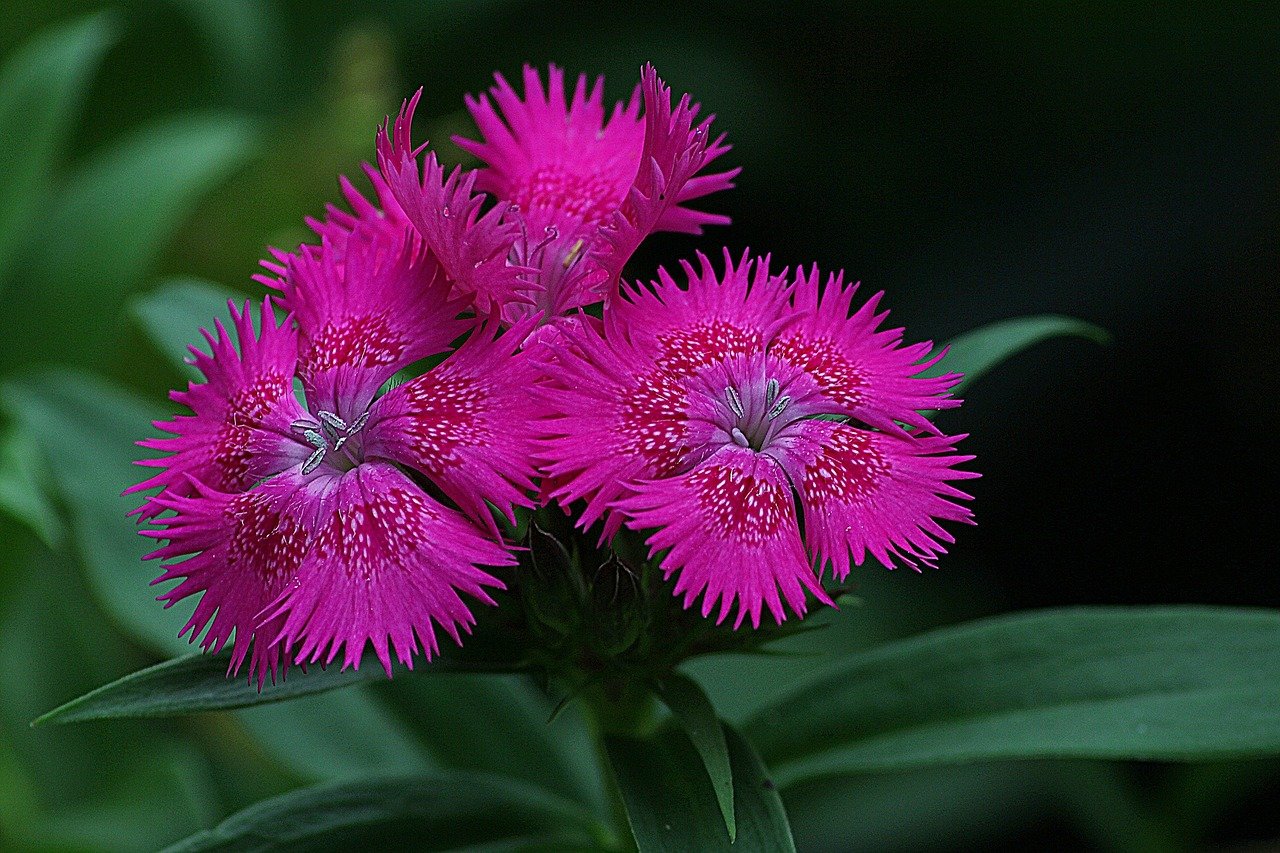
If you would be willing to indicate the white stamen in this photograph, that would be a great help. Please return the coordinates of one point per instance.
(735, 402)
(780, 407)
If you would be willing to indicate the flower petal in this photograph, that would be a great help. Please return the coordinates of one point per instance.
(387, 562)
(872, 492)
(675, 150)
(238, 431)
(713, 317)
(365, 309)
(472, 249)
(247, 548)
(731, 530)
(559, 159)
(864, 369)
(465, 424)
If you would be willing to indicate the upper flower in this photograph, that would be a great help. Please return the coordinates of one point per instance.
(577, 192)
(706, 413)
(311, 527)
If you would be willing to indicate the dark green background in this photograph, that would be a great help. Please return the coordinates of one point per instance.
(977, 163)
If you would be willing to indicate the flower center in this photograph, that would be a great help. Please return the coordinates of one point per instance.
(751, 423)
(330, 438)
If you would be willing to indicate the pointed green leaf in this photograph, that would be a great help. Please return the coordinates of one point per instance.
(200, 682)
(671, 806)
(700, 722)
(976, 352)
(173, 314)
(444, 811)
(1154, 683)
(41, 88)
(192, 684)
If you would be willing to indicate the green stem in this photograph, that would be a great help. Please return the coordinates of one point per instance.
(620, 709)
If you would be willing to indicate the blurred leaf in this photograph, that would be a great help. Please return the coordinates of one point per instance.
(1161, 683)
(133, 785)
(245, 37)
(698, 718)
(22, 487)
(443, 811)
(670, 804)
(976, 352)
(457, 715)
(958, 807)
(101, 234)
(85, 429)
(174, 312)
(41, 88)
(338, 735)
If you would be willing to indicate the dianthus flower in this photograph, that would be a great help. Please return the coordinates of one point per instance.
(705, 414)
(309, 523)
(576, 191)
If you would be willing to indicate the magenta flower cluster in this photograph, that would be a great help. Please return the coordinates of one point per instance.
(326, 493)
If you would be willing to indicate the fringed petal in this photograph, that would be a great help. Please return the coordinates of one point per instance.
(238, 431)
(246, 550)
(729, 528)
(866, 370)
(472, 248)
(364, 311)
(676, 147)
(387, 565)
(872, 492)
(465, 424)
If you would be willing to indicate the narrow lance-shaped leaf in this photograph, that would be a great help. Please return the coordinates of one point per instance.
(444, 811)
(671, 806)
(976, 352)
(700, 722)
(1158, 683)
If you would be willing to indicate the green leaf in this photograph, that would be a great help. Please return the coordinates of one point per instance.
(200, 682)
(23, 489)
(173, 314)
(41, 89)
(698, 718)
(344, 734)
(91, 247)
(671, 806)
(976, 352)
(456, 715)
(444, 811)
(191, 684)
(1158, 683)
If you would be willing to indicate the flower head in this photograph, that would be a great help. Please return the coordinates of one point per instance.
(707, 413)
(311, 529)
(577, 190)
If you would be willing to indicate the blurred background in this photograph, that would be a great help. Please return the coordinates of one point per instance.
(1115, 164)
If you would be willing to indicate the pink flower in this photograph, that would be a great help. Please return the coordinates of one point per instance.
(310, 531)
(705, 413)
(577, 191)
